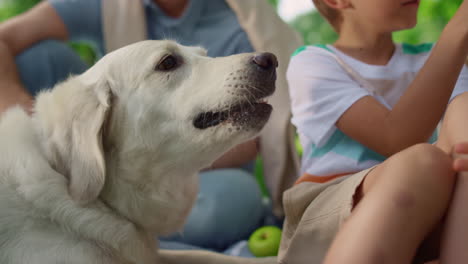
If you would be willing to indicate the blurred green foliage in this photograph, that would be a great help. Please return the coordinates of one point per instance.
(274, 2)
(432, 17)
(9, 8)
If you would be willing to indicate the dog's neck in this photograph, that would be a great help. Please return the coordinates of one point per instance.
(155, 197)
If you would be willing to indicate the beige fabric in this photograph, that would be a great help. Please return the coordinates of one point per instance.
(314, 214)
(124, 24)
(267, 32)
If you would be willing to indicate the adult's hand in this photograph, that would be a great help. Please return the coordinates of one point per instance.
(12, 91)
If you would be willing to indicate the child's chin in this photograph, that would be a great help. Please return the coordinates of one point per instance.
(407, 25)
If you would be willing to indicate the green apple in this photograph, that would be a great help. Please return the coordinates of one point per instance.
(265, 241)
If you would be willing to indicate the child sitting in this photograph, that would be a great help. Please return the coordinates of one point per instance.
(374, 189)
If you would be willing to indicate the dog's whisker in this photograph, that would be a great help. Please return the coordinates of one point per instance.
(254, 88)
(250, 93)
(249, 102)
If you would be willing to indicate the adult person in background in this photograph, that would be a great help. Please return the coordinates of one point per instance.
(229, 206)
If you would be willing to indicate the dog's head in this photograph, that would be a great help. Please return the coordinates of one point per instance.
(151, 109)
(178, 99)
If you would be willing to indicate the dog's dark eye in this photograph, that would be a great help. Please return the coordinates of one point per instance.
(167, 63)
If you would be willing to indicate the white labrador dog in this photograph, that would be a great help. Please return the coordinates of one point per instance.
(109, 158)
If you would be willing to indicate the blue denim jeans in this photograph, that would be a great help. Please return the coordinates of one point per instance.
(46, 64)
(229, 206)
(228, 209)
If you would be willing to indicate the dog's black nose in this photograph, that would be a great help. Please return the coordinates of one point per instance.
(265, 60)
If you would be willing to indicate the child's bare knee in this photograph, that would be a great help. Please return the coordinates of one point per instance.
(432, 161)
(414, 168)
(428, 169)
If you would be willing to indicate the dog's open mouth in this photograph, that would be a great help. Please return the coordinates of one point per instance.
(241, 114)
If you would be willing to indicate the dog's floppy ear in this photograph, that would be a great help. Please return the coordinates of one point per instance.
(87, 163)
(72, 118)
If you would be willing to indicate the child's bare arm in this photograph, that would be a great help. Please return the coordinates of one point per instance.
(415, 116)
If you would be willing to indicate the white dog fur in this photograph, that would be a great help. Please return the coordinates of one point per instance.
(109, 159)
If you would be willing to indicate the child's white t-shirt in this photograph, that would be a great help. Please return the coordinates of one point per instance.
(321, 90)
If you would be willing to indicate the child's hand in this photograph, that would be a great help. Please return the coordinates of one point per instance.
(460, 157)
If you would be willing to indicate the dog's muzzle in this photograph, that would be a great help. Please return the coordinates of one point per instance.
(252, 111)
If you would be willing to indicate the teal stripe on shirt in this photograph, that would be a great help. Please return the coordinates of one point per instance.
(323, 46)
(302, 48)
(343, 145)
(298, 50)
(416, 49)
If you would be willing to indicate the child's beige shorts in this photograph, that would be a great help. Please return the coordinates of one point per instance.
(314, 213)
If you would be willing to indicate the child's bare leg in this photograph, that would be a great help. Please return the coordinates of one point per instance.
(402, 200)
(455, 234)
